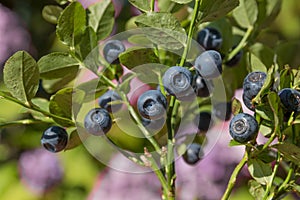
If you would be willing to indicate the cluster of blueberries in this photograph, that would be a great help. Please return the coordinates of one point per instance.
(243, 126)
(152, 105)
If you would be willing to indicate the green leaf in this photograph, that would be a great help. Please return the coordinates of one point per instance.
(61, 105)
(57, 65)
(74, 141)
(87, 43)
(101, 18)
(236, 106)
(263, 53)
(212, 10)
(170, 6)
(62, 2)
(125, 85)
(268, 11)
(264, 111)
(256, 189)
(260, 171)
(143, 5)
(286, 78)
(233, 143)
(163, 29)
(42, 104)
(246, 13)
(287, 53)
(21, 76)
(51, 13)
(265, 129)
(182, 1)
(139, 39)
(289, 151)
(53, 85)
(135, 56)
(71, 24)
(266, 86)
(92, 89)
(255, 63)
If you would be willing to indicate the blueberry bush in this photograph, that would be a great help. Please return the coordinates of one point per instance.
(129, 77)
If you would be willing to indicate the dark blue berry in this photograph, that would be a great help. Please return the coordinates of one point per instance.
(203, 121)
(177, 81)
(97, 121)
(201, 87)
(106, 101)
(112, 49)
(209, 64)
(222, 110)
(253, 83)
(248, 103)
(235, 59)
(243, 127)
(290, 98)
(193, 154)
(152, 104)
(210, 38)
(54, 139)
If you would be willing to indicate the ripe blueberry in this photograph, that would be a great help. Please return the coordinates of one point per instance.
(235, 59)
(209, 64)
(203, 121)
(253, 83)
(112, 49)
(193, 154)
(290, 98)
(210, 38)
(54, 139)
(222, 110)
(201, 87)
(248, 103)
(107, 98)
(243, 127)
(97, 121)
(152, 104)
(177, 81)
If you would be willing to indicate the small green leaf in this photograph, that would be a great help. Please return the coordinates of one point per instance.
(139, 39)
(135, 56)
(260, 171)
(53, 85)
(61, 103)
(21, 76)
(236, 106)
(287, 53)
(143, 5)
(256, 189)
(268, 11)
(163, 29)
(125, 85)
(264, 111)
(62, 2)
(266, 86)
(265, 129)
(71, 24)
(42, 104)
(57, 65)
(182, 1)
(92, 89)
(286, 78)
(255, 63)
(246, 13)
(51, 13)
(289, 151)
(101, 18)
(75, 140)
(212, 10)
(263, 53)
(87, 43)
(170, 5)
(233, 143)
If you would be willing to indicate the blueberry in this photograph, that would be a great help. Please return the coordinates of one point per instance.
(243, 127)
(253, 83)
(112, 49)
(248, 103)
(210, 38)
(54, 139)
(177, 81)
(235, 59)
(97, 121)
(152, 104)
(193, 154)
(107, 98)
(209, 64)
(290, 98)
(201, 87)
(222, 110)
(203, 121)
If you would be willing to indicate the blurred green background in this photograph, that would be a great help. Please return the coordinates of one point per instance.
(81, 169)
